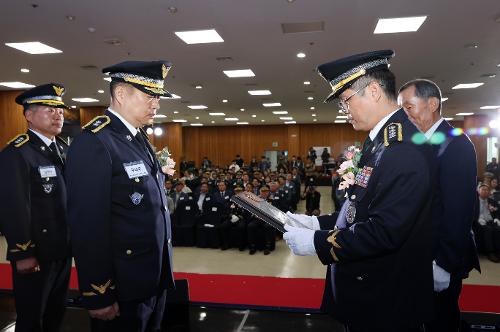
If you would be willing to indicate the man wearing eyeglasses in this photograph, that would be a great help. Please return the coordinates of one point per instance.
(117, 208)
(379, 247)
(33, 211)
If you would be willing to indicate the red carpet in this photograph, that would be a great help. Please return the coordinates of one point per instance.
(280, 292)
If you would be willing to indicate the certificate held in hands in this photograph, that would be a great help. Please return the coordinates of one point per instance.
(261, 209)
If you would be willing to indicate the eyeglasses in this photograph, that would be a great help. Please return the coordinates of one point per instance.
(153, 98)
(344, 103)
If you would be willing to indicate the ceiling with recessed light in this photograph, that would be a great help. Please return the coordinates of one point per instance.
(458, 43)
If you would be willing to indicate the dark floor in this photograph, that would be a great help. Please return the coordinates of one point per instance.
(198, 318)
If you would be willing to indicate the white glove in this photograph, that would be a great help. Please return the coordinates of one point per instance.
(300, 240)
(497, 221)
(482, 222)
(303, 221)
(234, 218)
(441, 278)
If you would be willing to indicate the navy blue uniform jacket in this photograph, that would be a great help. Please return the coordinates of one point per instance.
(120, 225)
(454, 206)
(382, 276)
(33, 207)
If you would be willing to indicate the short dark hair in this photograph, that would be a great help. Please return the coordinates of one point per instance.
(113, 85)
(424, 89)
(384, 77)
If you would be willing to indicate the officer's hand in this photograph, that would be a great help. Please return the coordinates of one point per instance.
(27, 265)
(300, 240)
(441, 277)
(108, 313)
(302, 221)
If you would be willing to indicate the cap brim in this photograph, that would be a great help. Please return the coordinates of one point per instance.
(50, 104)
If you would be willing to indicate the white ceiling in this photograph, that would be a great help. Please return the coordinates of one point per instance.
(253, 38)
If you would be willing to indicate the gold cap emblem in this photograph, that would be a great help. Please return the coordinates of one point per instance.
(59, 90)
(164, 71)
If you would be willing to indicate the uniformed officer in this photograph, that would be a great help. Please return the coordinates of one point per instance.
(455, 200)
(379, 247)
(117, 207)
(33, 211)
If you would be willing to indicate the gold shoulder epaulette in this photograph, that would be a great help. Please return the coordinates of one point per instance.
(19, 140)
(393, 133)
(97, 123)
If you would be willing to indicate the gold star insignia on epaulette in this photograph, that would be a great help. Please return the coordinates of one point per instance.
(59, 90)
(393, 133)
(102, 289)
(19, 140)
(97, 123)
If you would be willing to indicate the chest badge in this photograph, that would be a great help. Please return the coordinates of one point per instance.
(47, 187)
(351, 212)
(363, 176)
(136, 198)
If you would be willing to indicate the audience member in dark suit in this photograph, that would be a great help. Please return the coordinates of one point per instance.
(312, 200)
(222, 199)
(235, 226)
(488, 224)
(206, 163)
(239, 161)
(258, 228)
(169, 191)
(454, 202)
(278, 197)
(264, 164)
(492, 167)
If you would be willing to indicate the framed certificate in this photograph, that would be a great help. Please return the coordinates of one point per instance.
(261, 209)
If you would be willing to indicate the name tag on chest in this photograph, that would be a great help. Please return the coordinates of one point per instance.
(135, 169)
(47, 171)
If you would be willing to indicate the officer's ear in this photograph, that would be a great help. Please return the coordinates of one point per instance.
(120, 92)
(374, 90)
(433, 104)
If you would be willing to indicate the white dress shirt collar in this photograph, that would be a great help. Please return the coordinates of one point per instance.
(44, 139)
(379, 125)
(428, 134)
(131, 128)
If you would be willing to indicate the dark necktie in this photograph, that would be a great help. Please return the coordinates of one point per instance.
(366, 151)
(144, 145)
(55, 152)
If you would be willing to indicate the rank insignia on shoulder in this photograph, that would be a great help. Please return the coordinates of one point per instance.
(19, 140)
(393, 133)
(97, 123)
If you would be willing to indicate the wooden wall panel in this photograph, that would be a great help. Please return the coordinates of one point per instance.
(222, 144)
(12, 121)
(480, 142)
(172, 138)
(337, 136)
(294, 140)
(88, 113)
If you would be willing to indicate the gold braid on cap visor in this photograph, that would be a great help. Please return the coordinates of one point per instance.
(355, 73)
(141, 80)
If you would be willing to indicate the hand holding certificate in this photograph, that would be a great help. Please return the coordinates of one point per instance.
(262, 210)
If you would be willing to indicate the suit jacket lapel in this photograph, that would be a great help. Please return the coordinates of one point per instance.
(126, 136)
(43, 149)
